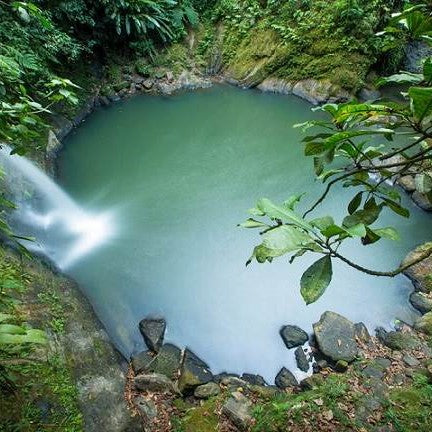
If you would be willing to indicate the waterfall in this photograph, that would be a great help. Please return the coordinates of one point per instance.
(64, 231)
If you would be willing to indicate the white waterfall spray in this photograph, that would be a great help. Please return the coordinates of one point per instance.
(64, 231)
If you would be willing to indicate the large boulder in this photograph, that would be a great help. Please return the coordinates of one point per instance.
(421, 302)
(193, 373)
(153, 331)
(335, 336)
(421, 273)
(293, 336)
(285, 379)
(238, 408)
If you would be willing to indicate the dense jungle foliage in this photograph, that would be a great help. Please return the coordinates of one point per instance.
(51, 54)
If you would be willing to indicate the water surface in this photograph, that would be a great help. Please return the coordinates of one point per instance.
(180, 173)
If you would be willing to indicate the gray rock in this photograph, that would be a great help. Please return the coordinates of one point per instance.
(415, 53)
(422, 201)
(153, 331)
(301, 359)
(238, 408)
(285, 379)
(193, 373)
(317, 92)
(293, 336)
(169, 76)
(276, 85)
(411, 361)
(382, 362)
(335, 336)
(421, 302)
(361, 332)
(167, 361)
(254, 379)
(114, 97)
(233, 383)
(424, 324)
(104, 101)
(154, 382)
(148, 84)
(407, 183)
(371, 371)
(419, 273)
(146, 408)
(367, 94)
(219, 377)
(207, 391)
(397, 340)
(141, 361)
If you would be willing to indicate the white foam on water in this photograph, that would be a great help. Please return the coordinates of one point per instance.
(50, 210)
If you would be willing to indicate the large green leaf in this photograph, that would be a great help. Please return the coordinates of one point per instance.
(401, 78)
(316, 279)
(421, 102)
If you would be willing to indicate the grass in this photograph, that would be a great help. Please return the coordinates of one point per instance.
(37, 392)
(410, 407)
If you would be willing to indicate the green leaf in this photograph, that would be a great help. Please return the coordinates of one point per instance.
(316, 279)
(282, 213)
(322, 223)
(252, 223)
(401, 78)
(357, 230)
(421, 102)
(388, 233)
(355, 203)
(427, 70)
(397, 208)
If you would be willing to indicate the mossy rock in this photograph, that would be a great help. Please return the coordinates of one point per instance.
(421, 273)
(424, 324)
(200, 419)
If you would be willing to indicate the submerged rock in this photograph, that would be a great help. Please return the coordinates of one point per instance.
(285, 379)
(420, 273)
(335, 336)
(154, 382)
(421, 302)
(238, 408)
(193, 373)
(301, 359)
(153, 331)
(293, 336)
(254, 379)
(206, 391)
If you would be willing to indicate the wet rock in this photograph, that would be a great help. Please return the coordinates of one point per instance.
(361, 332)
(254, 379)
(147, 409)
(420, 273)
(114, 97)
(207, 391)
(104, 101)
(422, 201)
(369, 94)
(141, 361)
(421, 302)
(153, 331)
(276, 85)
(407, 183)
(424, 324)
(317, 92)
(301, 359)
(293, 336)
(397, 340)
(167, 361)
(193, 373)
(411, 361)
(285, 379)
(53, 145)
(154, 382)
(238, 408)
(335, 336)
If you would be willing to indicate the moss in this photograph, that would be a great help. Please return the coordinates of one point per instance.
(204, 418)
(175, 58)
(424, 324)
(411, 407)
